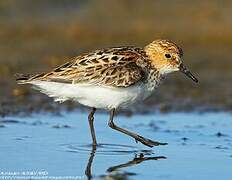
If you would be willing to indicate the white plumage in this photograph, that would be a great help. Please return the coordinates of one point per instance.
(94, 95)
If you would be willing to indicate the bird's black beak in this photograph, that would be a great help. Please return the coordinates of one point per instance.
(186, 71)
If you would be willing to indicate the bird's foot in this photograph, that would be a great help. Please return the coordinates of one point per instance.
(148, 142)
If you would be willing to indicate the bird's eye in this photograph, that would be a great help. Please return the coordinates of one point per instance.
(167, 55)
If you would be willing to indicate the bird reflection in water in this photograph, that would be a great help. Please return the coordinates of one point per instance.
(112, 171)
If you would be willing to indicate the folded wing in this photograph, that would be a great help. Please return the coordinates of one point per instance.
(116, 67)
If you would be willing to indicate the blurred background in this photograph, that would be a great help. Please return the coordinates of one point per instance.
(36, 36)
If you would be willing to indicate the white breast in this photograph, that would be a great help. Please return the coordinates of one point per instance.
(95, 95)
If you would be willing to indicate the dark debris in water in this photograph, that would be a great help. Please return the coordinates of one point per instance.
(221, 147)
(185, 139)
(195, 127)
(153, 126)
(38, 123)
(58, 126)
(219, 134)
(139, 125)
(9, 121)
(171, 131)
(21, 138)
(12, 121)
(18, 139)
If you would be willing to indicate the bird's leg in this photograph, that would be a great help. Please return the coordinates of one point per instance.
(137, 137)
(91, 126)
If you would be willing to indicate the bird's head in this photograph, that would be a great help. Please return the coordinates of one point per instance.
(166, 57)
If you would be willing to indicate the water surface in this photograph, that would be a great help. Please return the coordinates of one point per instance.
(199, 146)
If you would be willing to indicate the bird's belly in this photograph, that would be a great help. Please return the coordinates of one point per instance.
(108, 98)
(94, 95)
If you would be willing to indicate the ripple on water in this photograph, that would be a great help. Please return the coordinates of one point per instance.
(106, 149)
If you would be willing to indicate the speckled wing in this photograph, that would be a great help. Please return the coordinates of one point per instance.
(116, 67)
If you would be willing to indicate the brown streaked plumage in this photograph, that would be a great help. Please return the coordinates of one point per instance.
(112, 78)
(117, 67)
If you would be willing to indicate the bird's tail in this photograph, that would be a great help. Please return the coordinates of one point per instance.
(22, 78)
(28, 78)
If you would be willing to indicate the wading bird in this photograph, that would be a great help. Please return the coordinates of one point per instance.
(112, 78)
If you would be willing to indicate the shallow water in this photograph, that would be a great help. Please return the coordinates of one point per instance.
(58, 146)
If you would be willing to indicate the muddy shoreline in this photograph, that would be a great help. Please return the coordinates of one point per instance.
(25, 101)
